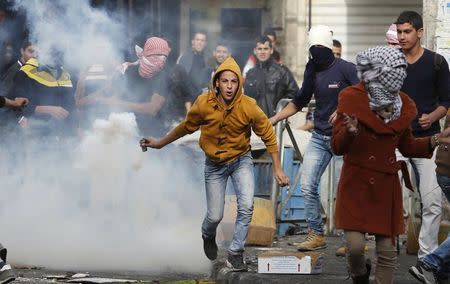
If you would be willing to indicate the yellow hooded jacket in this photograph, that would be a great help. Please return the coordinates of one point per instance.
(225, 130)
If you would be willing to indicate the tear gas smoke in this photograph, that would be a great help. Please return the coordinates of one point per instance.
(103, 204)
(84, 34)
(98, 203)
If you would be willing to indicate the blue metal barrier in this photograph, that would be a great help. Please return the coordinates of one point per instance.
(294, 211)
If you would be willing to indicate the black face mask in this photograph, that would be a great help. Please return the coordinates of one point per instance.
(322, 57)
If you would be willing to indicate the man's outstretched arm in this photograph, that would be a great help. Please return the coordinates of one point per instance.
(173, 135)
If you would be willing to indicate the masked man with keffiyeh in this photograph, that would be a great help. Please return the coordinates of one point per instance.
(374, 119)
(151, 89)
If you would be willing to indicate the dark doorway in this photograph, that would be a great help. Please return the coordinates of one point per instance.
(155, 18)
(240, 27)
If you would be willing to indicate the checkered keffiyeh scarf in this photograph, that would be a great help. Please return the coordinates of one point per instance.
(383, 70)
(152, 57)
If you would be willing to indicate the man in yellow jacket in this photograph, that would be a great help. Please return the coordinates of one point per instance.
(226, 117)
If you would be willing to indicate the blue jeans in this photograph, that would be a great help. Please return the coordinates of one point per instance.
(444, 183)
(216, 177)
(439, 259)
(317, 157)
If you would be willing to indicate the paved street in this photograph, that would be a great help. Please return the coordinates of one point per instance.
(334, 270)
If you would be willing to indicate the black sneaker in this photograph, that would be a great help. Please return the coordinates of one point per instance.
(210, 247)
(6, 273)
(236, 262)
(363, 279)
(422, 274)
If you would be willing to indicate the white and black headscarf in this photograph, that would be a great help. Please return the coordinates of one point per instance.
(382, 69)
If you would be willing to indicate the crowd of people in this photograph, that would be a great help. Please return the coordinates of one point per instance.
(372, 117)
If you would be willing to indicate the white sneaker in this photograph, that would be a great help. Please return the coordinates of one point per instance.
(6, 273)
(420, 273)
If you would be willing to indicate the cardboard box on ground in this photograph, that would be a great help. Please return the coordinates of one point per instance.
(261, 229)
(261, 232)
(290, 262)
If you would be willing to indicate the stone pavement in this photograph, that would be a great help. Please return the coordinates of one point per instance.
(335, 270)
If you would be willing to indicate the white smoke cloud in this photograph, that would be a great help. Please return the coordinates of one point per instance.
(102, 204)
(85, 34)
(98, 203)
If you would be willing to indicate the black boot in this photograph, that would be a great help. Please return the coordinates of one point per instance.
(363, 279)
(210, 247)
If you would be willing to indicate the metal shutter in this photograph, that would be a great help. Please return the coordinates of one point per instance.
(359, 24)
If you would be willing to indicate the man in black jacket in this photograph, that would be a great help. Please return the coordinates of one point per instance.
(28, 50)
(51, 111)
(268, 82)
(193, 60)
(8, 117)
